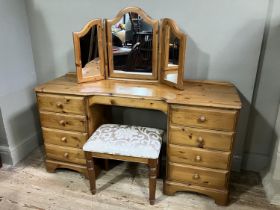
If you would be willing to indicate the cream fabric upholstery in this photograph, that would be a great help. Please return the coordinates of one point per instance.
(134, 141)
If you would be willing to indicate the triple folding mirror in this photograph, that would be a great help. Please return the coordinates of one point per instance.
(131, 50)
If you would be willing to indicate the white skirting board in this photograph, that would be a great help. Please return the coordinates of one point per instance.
(271, 178)
(12, 155)
(272, 188)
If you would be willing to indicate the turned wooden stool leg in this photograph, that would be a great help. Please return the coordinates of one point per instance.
(152, 180)
(159, 166)
(91, 172)
(106, 164)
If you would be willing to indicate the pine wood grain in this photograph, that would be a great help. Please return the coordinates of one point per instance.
(64, 138)
(63, 121)
(218, 103)
(218, 119)
(61, 103)
(220, 196)
(52, 165)
(129, 102)
(200, 93)
(197, 175)
(201, 138)
(67, 154)
(198, 157)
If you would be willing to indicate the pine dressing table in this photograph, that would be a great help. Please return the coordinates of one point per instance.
(201, 115)
(201, 126)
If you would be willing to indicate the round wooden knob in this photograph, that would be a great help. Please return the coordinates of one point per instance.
(66, 154)
(196, 176)
(59, 105)
(202, 118)
(64, 139)
(62, 122)
(198, 158)
(200, 140)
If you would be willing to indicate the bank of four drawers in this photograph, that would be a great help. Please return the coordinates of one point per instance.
(64, 127)
(199, 145)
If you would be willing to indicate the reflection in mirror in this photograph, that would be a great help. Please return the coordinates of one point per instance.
(171, 70)
(89, 52)
(173, 54)
(132, 40)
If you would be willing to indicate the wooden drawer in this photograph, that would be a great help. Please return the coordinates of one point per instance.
(61, 104)
(67, 154)
(196, 175)
(202, 138)
(64, 138)
(63, 121)
(199, 157)
(211, 118)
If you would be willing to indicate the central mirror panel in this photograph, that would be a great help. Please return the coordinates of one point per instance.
(132, 45)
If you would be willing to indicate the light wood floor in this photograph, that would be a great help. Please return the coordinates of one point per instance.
(29, 186)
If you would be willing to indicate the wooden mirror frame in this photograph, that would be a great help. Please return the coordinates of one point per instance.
(167, 25)
(155, 26)
(77, 50)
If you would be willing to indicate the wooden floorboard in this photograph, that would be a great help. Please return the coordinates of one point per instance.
(125, 186)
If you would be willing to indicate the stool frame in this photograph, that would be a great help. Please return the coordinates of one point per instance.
(153, 165)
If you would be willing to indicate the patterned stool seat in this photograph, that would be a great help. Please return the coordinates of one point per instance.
(126, 140)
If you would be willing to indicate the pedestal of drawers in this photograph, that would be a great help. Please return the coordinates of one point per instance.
(199, 151)
(65, 130)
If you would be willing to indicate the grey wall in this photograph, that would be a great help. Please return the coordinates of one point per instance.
(18, 77)
(224, 39)
(3, 136)
(261, 135)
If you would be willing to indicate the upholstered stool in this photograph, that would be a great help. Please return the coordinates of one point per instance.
(127, 143)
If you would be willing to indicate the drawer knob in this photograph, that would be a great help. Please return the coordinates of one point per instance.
(198, 158)
(202, 118)
(200, 141)
(64, 139)
(66, 154)
(59, 105)
(62, 122)
(196, 176)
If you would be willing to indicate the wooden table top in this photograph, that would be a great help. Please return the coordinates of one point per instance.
(200, 93)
